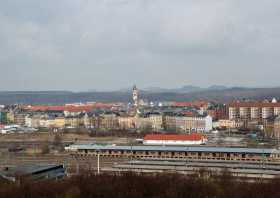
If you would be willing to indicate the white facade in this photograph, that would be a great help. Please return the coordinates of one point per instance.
(233, 113)
(267, 112)
(174, 142)
(200, 124)
(208, 123)
(244, 112)
(28, 121)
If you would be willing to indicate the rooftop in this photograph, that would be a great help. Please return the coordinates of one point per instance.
(28, 169)
(254, 104)
(182, 149)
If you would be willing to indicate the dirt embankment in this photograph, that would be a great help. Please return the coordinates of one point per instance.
(65, 137)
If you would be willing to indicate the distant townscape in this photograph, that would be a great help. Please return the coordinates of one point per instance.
(139, 98)
(142, 115)
(47, 141)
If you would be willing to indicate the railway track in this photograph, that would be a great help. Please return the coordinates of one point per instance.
(76, 164)
(239, 170)
(206, 165)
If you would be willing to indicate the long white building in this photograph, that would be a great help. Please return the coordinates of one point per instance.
(159, 139)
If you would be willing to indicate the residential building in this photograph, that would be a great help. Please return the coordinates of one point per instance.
(10, 117)
(19, 118)
(59, 122)
(3, 117)
(277, 127)
(233, 113)
(231, 124)
(108, 121)
(126, 122)
(188, 124)
(156, 121)
(217, 113)
(73, 121)
(253, 110)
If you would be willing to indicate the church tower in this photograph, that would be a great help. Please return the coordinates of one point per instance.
(135, 96)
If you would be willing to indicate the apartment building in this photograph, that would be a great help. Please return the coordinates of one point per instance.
(143, 123)
(217, 113)
(169, 122)
(253, 110)
(231, 124)
(19, 118)
(74, 121)
(59, 122)
(233, 113)
(187, 124)
(108, 121)
(277, 127)
(156, 121)
(126, 122)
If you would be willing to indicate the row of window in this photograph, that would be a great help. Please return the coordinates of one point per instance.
(199, 154)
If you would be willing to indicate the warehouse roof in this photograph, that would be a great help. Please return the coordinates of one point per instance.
(28, 169)
(182, 149)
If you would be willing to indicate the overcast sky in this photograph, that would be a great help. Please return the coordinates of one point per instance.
(112, 44)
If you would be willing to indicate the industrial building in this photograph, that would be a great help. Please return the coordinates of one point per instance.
(206, 153)
(33, 172)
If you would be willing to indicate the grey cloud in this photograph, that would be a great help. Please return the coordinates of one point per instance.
(108, 44)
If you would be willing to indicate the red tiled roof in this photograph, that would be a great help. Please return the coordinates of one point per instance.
(46, 108)
(190, 104)
(190, 137)
(70, 108)
(78, 108)
(188, 113)
(182, 104)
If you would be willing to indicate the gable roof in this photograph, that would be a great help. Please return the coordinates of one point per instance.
(187, 137)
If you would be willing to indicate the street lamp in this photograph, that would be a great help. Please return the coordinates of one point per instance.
(98, 162)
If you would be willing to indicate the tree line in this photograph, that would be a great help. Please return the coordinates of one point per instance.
(202, 184)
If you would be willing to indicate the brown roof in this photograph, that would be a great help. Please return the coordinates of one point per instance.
(198, 103)
(70, 108)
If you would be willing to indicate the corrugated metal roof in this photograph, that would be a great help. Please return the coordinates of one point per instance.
(29, 169)
(182, 149)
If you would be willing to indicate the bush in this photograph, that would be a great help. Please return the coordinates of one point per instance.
(144, 185)
(45, 149)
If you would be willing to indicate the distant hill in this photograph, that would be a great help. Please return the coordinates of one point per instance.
(217, 93)
(184, 89)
